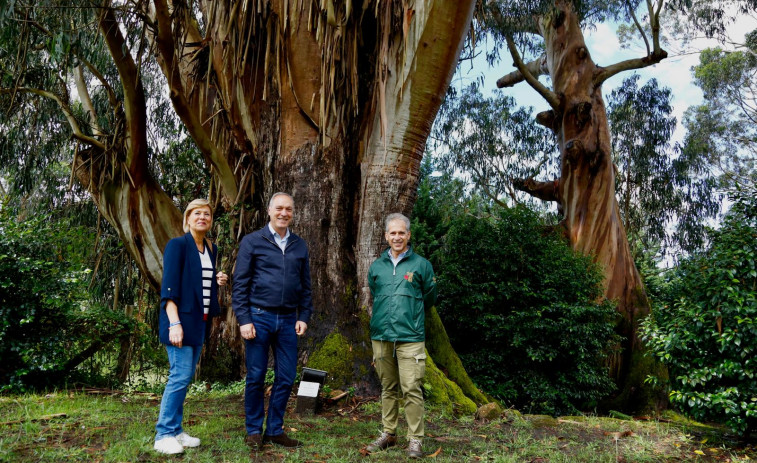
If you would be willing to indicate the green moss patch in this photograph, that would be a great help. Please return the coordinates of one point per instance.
(444, 393)
(334, 356)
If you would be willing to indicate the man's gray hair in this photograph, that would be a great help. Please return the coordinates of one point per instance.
(396, 216)
(280, 193)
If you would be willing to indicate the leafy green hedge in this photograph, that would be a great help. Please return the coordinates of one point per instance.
(520, 309)
(705, 330)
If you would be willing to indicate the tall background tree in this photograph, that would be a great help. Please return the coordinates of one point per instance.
(331, 101)
(546, 38)
(723, 129)
(665, 194)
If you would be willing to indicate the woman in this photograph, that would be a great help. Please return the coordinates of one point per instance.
(189, 298)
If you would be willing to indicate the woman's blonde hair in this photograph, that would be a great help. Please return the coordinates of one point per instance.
(195, 204)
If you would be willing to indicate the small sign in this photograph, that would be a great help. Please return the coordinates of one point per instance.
(308, 389)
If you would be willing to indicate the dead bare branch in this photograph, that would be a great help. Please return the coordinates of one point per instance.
(536, 67)
(547, 94)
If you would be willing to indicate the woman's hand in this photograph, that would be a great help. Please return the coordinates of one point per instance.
(176, 335)
(222, 279)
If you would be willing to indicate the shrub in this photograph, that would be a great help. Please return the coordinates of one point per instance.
(520, 309)
(705, 330)
(46, 326)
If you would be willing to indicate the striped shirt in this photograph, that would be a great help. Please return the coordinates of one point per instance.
(207, 280)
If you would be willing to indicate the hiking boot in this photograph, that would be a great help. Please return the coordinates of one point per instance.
(255, 441)
(188, 441)
(282, 440)
(384, 441)
(168, 446)
(414, 449)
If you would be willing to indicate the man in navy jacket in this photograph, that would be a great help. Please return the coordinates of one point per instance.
(272, 302)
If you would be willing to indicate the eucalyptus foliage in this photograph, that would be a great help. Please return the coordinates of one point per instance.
(440, 200)
(723, 129)
(492, 141)
(705, 330)
(518, 19)
(664, 196)
(712, 17)
(42, 45)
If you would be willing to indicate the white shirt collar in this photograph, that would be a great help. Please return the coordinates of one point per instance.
(280, 242)
(395, 261)
(276, 234)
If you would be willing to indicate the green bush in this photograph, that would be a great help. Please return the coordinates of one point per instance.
(520, 309)
(46, 324)
(705, 330)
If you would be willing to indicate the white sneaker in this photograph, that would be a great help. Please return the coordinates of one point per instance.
(169, 446)
(188, 441)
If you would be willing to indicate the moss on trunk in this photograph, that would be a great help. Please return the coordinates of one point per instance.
(438, 346)
(440, 390)
(335, 356)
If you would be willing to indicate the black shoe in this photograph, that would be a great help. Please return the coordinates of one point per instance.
(255, 441)
(282, 440)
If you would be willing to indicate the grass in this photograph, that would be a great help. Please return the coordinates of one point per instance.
(110, 426)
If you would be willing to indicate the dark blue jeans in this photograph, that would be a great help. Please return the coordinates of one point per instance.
(276, 331)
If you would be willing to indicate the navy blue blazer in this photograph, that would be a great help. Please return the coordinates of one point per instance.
(182, 283)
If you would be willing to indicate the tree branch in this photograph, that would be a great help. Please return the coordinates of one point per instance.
(546, 191)
(537, 67)
(135, 106)
(657, 54)
(654, 21)
(638, 25)
(95, 72)
(493, 197)
(112, 99)
(604, 73)
(86, 101)
(77, 132)
(547, 94)
(169, 63)
(93, 348)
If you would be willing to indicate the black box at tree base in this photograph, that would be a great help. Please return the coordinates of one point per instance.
(308, 393)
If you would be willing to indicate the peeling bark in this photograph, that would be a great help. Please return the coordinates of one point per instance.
(586, 189)
(393, 140)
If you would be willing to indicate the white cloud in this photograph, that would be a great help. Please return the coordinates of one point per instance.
(603, 44)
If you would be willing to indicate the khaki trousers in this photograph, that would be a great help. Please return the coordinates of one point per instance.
(400, 367)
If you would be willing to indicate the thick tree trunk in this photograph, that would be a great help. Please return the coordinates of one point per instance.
(333, 106)
(412, 77)
(586, 193)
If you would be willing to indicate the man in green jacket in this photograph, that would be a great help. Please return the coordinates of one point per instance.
(403, 286)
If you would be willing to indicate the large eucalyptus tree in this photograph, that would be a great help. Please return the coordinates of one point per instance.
(331, 100)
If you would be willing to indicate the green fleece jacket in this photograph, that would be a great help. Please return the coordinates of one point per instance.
(400, 297)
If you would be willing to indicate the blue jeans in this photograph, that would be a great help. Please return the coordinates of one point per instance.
(272, 330)
(183, 362)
